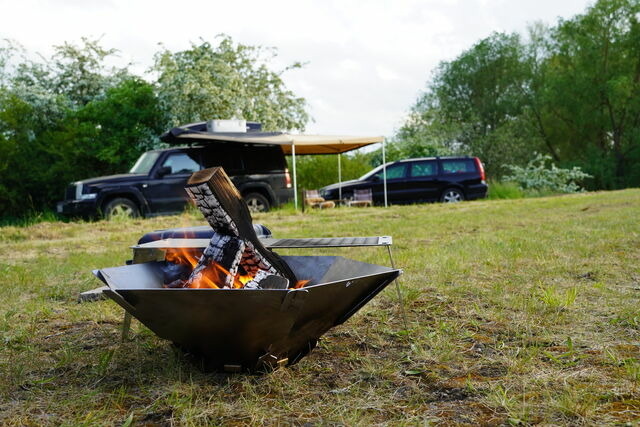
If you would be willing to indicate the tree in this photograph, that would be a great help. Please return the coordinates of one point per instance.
(476, 104)
(223, 81)
(68, 118)
(112, 131)
(594, 90)
(571, 91)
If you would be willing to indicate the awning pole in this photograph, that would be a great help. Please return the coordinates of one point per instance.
(339, 177)
(384, 173)
(295, 181)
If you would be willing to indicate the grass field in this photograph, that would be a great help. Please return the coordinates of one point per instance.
(521, 311)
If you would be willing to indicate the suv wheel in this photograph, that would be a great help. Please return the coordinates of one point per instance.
(120, 207)
(452, 195)
(256, 202)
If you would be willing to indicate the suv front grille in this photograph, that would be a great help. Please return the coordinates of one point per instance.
(70, 194)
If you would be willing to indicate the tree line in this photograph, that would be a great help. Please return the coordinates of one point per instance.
(72, 115)
(570, 91)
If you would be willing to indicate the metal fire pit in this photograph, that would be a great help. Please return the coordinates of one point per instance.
(248, 330)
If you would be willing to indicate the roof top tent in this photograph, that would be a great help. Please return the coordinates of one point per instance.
(241, 131)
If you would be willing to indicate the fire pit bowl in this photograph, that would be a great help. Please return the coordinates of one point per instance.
(249, 329)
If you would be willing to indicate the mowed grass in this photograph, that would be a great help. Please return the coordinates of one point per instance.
(520, 311)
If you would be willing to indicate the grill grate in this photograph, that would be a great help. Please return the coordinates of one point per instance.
(320, 242)
(328, 242)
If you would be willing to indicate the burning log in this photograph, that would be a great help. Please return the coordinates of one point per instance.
(225, 252)
(235, 257)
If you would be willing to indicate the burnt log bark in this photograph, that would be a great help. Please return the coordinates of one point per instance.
(226, 252)
(227, 213)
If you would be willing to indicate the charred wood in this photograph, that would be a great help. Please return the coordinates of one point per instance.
(227, 213)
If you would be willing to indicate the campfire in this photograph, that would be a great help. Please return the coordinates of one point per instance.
(235, 302)
(181, 262)
(235, 258)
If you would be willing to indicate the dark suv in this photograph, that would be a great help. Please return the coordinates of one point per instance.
(155, 184)
(445, 179)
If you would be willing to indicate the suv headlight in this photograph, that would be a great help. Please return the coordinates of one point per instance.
(79, 192)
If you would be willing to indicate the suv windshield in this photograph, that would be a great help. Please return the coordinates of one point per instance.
(145, 162)
(393, 171)
(370, 173)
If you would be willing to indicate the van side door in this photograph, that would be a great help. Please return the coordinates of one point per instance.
(396, 184)
(423, 185)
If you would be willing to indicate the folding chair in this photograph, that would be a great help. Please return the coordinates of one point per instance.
(361, 198)
(313, 199)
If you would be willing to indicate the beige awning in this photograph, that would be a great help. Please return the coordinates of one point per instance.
(328, 144)
(304, 144)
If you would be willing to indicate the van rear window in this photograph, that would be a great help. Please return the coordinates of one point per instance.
(458, 166)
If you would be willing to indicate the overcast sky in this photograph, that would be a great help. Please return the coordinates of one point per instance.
(367, 60)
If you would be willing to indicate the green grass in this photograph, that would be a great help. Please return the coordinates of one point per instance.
(504, 190)
(521, 311)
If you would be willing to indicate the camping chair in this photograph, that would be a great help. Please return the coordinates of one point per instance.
(361, 198)
(313, 199)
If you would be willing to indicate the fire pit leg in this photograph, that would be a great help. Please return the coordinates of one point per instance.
(126, 325)
(400, 300)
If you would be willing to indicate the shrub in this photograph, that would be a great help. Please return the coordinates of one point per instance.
(541, 176)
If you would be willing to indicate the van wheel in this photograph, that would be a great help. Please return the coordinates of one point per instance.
(120, 208)
(452, 195)
(256, 202)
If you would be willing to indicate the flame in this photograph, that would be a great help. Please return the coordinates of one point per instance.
(214, 275)
(301, 284)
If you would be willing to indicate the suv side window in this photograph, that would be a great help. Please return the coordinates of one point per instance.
(458, 166)
(393, 172)
(426, 168)
(182, 163)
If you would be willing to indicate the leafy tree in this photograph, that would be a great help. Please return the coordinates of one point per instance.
(571, 91)
(226, 80)
(81, 73)
(476, 104)
(68, 118)
(112, 131)
(594, 90)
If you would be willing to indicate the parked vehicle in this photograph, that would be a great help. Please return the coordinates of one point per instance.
(444, 179)
(155, 184)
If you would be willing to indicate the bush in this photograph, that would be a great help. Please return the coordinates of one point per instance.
(541, 176)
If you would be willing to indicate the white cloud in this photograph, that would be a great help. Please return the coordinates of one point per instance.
(385, 73)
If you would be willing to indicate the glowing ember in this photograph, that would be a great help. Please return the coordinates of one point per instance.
(214, 275)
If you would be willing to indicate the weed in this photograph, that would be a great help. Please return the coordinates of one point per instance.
(555, 300)
(501, 397)
(577, 405)
(103, 364)
(566, 358)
